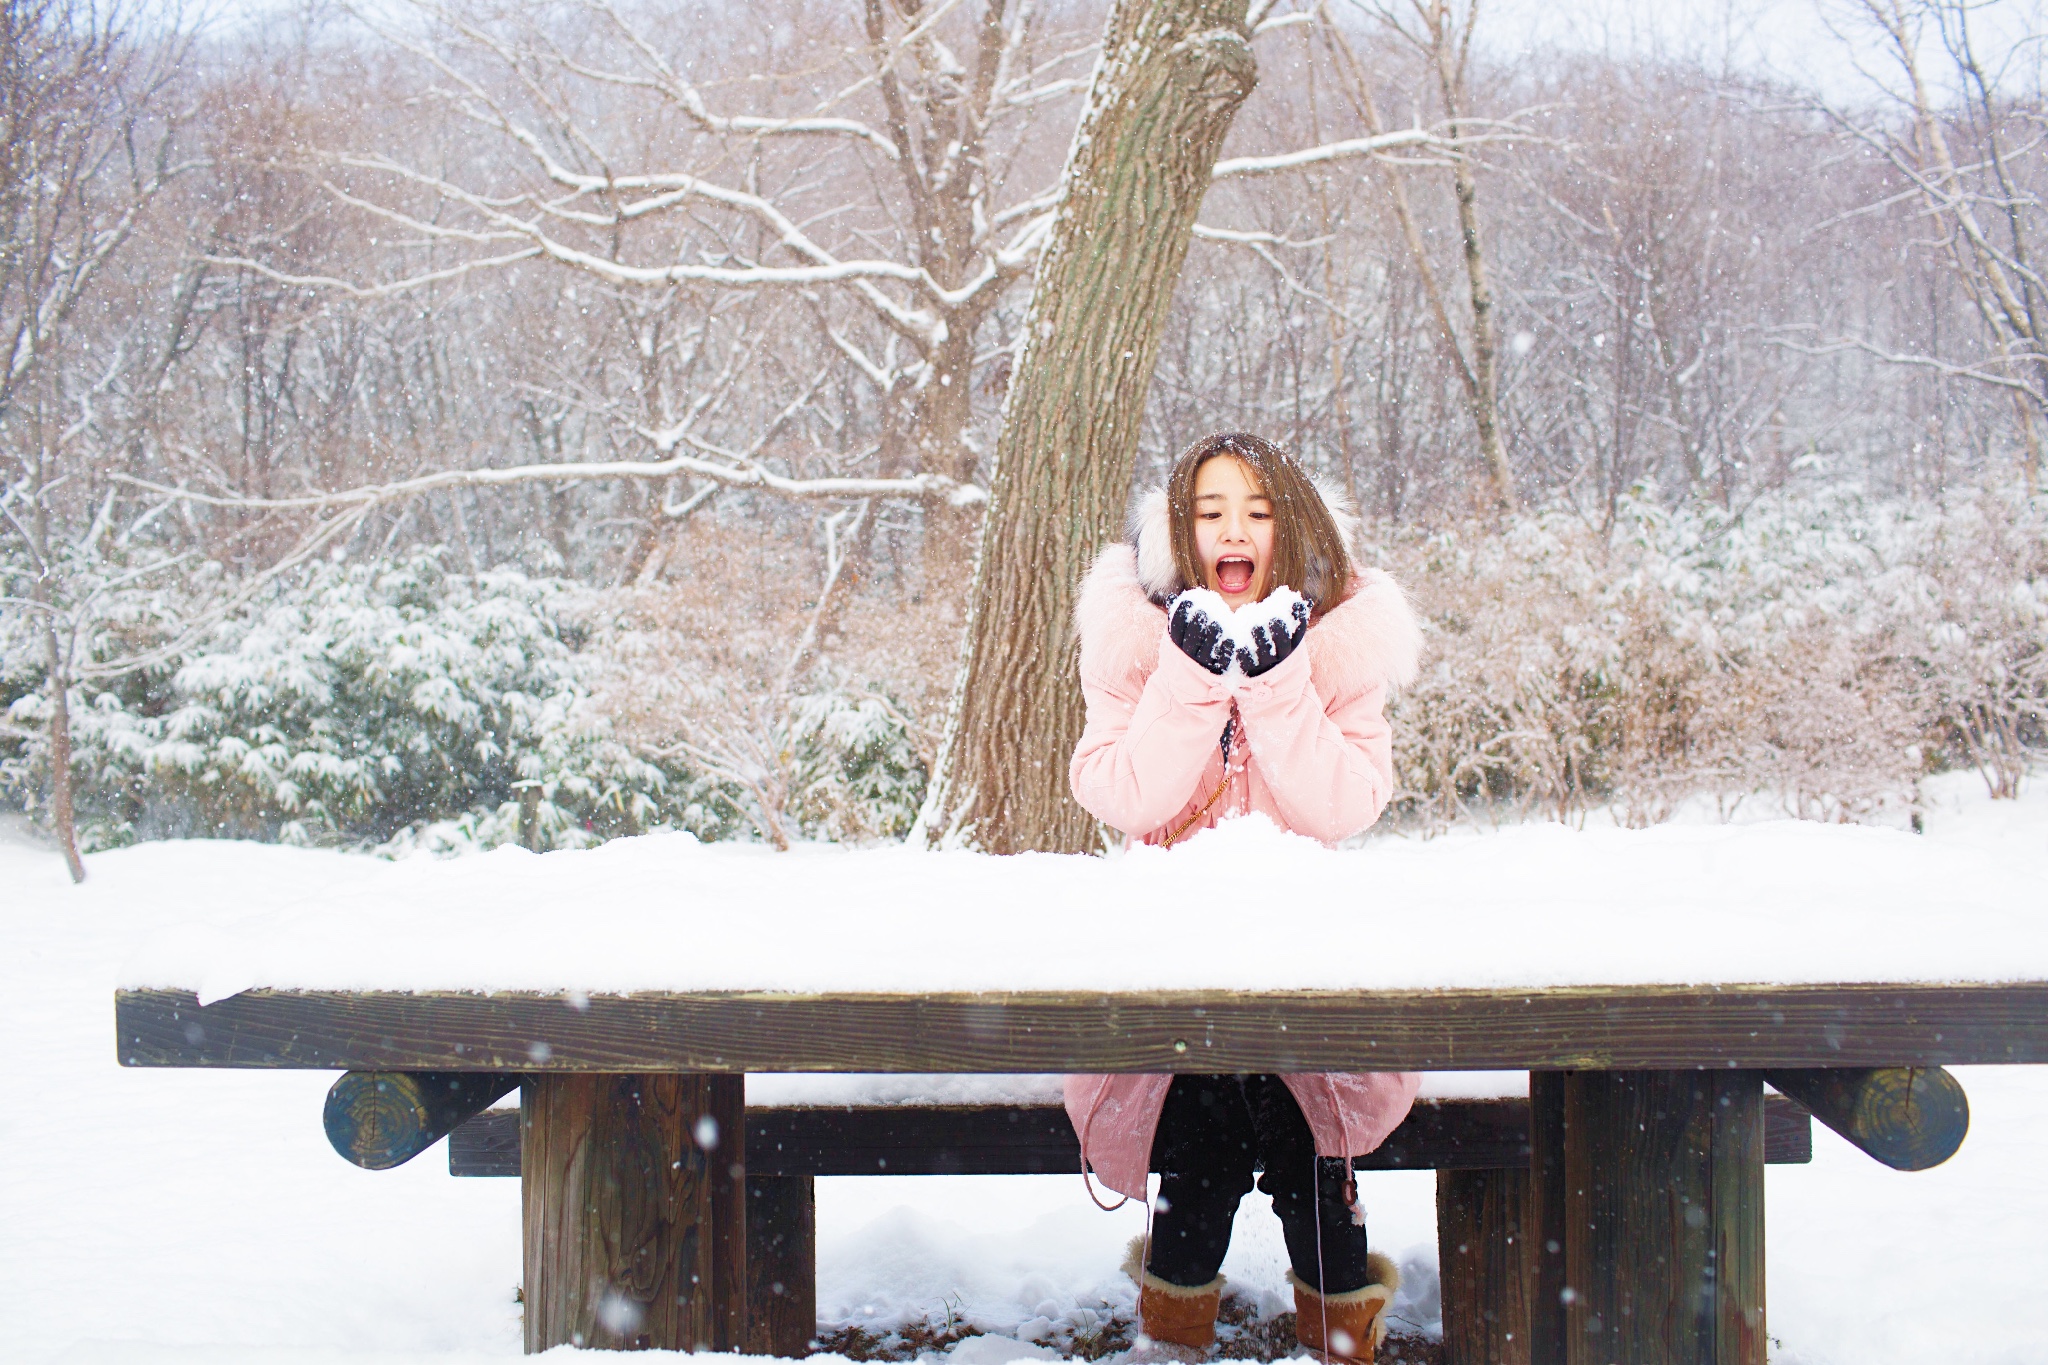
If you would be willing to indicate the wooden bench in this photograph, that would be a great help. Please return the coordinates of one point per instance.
(1470, 1143)
(1636, 1227)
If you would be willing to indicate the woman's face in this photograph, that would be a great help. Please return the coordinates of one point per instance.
(1233, 530)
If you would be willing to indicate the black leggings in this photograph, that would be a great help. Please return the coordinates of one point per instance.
(1214, 1131)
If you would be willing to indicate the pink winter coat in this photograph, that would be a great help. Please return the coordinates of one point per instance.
(1313, 755)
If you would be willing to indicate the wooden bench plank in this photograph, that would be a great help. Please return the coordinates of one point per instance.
(1038, 1139)
(1619, 1027)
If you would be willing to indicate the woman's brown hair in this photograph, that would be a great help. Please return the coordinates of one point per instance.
(1309, 554)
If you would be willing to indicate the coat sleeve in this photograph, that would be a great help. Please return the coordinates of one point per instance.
(1145, 749)
(1329, 765)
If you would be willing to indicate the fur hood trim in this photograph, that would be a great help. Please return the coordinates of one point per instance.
(1371, 638)
(1149, 532)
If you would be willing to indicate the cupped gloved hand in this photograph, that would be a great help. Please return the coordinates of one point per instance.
(1198, 622)
(1268, 630)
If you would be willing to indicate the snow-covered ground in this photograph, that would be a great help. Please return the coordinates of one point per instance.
(186, 1217)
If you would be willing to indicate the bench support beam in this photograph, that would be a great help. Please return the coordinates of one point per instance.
(1910, 1118)
(782, 1265)
(1485, 1265)
(634, 1211)
(1648, 1206)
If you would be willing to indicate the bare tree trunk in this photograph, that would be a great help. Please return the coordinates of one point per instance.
(62, 816)
(1479, 373)
(1485, 340)
(1171, 78)
(63, 819)
(2030, 429)
(944, 411)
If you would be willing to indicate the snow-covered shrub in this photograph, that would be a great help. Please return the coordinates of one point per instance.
(402, 706)
(362, 704)
(704, 677)
(1981, 608)
(1821, 651)
(859, 775)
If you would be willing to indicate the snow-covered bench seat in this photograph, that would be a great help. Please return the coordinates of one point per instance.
(1650, 980)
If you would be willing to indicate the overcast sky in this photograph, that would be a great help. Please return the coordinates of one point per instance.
(1808, 42)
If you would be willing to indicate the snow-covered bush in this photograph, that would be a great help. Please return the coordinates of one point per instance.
(361, 704)
(824, 751)
(1820, 651)
(401, 706)
(859, 775)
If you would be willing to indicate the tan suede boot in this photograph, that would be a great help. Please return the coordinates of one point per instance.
(1357, 1321)
(1174, 1316)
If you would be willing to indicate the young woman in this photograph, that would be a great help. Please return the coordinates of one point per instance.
(1236, 660)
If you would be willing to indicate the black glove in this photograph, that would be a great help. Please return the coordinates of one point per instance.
(1274, 638)
(1199, 635)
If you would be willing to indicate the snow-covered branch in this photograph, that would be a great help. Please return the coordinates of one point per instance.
(664, 191)
(1784, 339)
(672, 84)
(1217, 234)
(375, 291)
(1470, 133)
(750, 476)
(1238, 166)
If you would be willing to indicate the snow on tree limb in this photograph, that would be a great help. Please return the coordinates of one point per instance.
(674, 86)
(1837, 345)
(1217, 234)
(748, 476)
(374, 291)
(1378, 145)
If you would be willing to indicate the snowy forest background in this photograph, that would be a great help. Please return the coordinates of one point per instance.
(728, 297)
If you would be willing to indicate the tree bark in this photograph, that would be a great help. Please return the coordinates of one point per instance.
(1171, 78)
(939, 429)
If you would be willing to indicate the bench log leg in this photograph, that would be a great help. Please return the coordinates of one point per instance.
(1648, 1201)
(782, 1264)
(1486, 1267)
(635, 1232)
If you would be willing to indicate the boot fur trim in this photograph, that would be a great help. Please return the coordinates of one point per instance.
(1383, 1277)
(1377, 1297)
(1134, 1266)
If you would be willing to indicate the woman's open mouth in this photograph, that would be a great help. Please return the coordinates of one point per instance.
(1234, 575)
